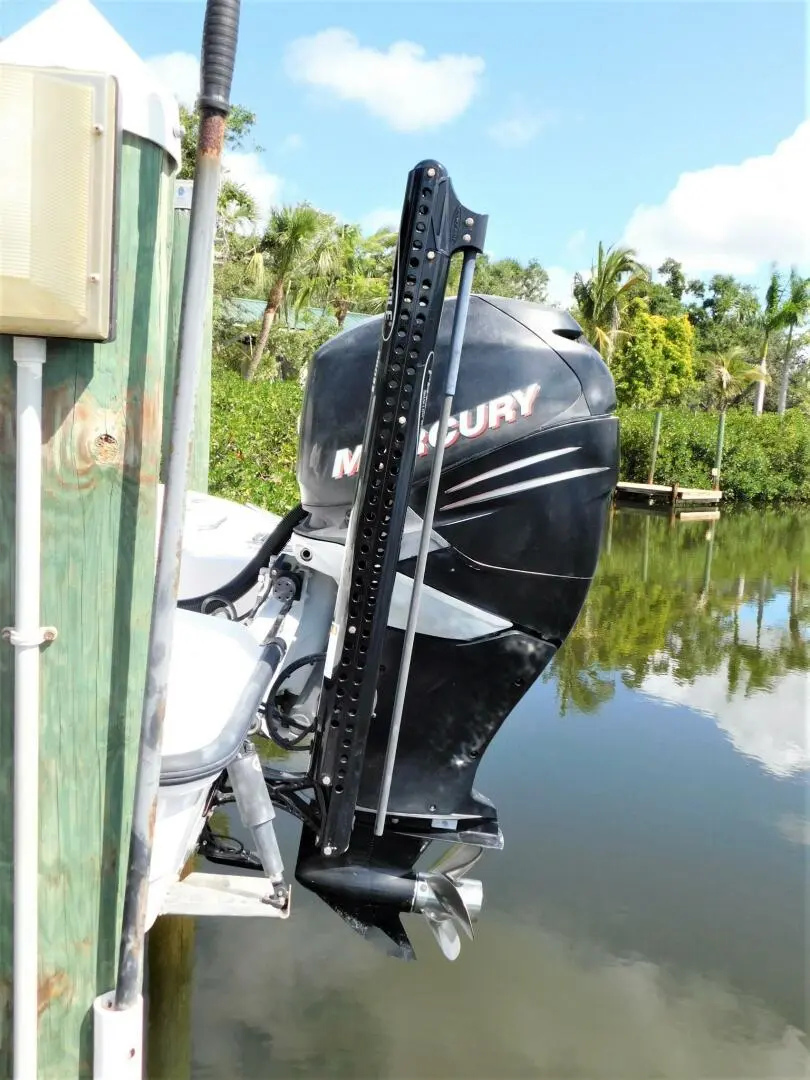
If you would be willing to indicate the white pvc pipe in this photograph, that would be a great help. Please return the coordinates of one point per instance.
(117, 1039)
(26, 637)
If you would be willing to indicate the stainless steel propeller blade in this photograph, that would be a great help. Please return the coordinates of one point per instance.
(457, 860)
(445, 933)
(449, 898)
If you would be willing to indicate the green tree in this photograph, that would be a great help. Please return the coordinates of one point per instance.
(772, 319)
(795, 311)
(503, 277)
(362, 272)
(731, 373)
(674, 278)
(653, 364)
(297, 247)
(602, 298)
(724, 314)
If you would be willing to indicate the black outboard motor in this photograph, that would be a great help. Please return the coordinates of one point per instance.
(529, 468)
(530, 464)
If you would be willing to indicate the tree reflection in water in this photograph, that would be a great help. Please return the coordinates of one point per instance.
(676, 598)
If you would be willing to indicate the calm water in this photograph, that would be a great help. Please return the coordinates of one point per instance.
(647, 917)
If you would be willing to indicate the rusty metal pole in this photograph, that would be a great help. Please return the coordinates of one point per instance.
(220, 33)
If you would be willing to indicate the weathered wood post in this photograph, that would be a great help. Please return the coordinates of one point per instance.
(102, 417)
(198, 467)
(656, 437)
(170, 942)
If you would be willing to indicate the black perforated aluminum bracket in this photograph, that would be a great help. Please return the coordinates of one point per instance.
(434, 225)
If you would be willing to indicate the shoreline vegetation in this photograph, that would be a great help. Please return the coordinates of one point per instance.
(695, 348)
(766, 460)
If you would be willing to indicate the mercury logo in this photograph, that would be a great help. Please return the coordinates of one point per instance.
(470, 424)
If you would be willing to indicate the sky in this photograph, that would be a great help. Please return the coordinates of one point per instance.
(679, 128)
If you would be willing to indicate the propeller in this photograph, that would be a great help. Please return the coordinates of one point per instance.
(449, 901)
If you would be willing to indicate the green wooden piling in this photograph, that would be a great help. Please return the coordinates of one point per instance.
(656, 437)
(718, 457)
(198, 466)
(102, 418)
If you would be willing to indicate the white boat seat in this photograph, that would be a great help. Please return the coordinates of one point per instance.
(212, 660)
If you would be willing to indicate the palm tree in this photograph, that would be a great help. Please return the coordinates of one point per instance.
(236, 216)
(361, 272)
(771, 321)
(296, 247)
(601, 299)
(795, 310)
(731, 373)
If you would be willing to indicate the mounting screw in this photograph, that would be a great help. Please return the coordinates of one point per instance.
(469, 221)
(431, 255)
(326, 780)
(466, 238)
(98, 129)
(431, 172)
(328, 850)
(432, 808)
(95, 278)
(305, 554)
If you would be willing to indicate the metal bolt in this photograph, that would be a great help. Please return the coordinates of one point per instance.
(328, 850)
(466, 238)
(95, 278)
(326, 780)
(431, 172)
(431, 255)
(305, 554)
(432, 808)
(98, 129)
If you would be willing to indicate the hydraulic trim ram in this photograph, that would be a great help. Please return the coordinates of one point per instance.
(434, 226)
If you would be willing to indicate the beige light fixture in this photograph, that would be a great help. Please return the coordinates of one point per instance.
(59, 135)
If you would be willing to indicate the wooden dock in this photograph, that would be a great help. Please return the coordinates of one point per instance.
(672, 495)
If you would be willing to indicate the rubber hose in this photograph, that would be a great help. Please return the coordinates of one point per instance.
(244, 581)
(220, 33)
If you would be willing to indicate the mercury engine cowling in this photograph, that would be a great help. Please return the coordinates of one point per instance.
(530, 463)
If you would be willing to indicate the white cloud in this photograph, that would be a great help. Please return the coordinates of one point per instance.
(520, 126)
(382, 218)
(576, 242)
(249, 170)
(399, 85)
(733, 219)
(180, 74)
(560, 280)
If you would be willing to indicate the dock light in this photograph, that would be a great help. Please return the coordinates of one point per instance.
(59, 170)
